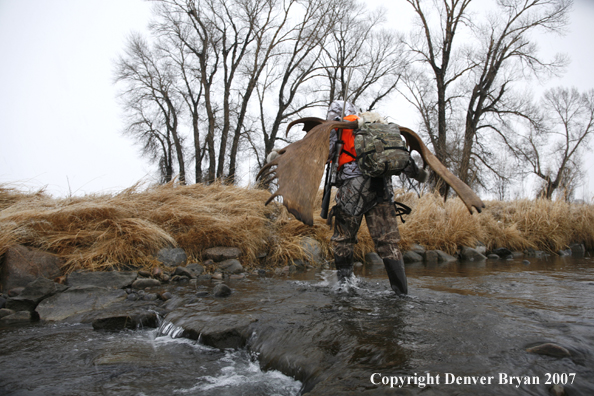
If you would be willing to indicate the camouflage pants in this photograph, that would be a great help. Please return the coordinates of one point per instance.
(383, 227)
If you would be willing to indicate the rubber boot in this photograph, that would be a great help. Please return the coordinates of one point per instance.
(344, 267)
(397, 276)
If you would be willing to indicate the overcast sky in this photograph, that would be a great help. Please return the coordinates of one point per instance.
(60, 121)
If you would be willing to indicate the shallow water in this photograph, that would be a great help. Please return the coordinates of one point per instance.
(461, 320)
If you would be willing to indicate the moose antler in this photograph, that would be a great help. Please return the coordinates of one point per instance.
(300, 166)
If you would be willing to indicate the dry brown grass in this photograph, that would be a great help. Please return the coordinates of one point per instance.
(98, 232)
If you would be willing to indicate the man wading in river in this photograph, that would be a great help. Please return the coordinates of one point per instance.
(360, 195)
(363, 188)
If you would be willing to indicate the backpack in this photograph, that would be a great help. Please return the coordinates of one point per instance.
(380, 150)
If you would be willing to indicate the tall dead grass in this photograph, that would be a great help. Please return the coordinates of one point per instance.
(99, 232)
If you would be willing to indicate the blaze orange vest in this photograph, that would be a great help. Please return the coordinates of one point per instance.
(348, 149)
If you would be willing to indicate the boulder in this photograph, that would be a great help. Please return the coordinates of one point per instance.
(312, 250)
(5, 312)
(142, 283)
(34, 292)
(172, 257)
(183, 271)
(443, 257)
(419, 249)
(222, 253)
(109, 279)
(22, 265)
(195, 268)
(470, 254)
(18, 317)
(231, 266)
(77, 300)
(431, 256)
(374, 259)
(412, 257)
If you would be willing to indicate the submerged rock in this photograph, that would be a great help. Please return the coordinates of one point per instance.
(549, 349)
(129, 320)
(221, 290)
(110, 279)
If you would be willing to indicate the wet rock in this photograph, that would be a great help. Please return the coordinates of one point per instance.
(2, 302)
(22, 265)
(195, 268)
(217, 276)
(77, 300)
(172, 257)
(221, 290)
(515, 254)
(142, 283)
(20, 316)
(481, 248)
(549, 349)
(231, 266)
(132, 320)
(443, 257)
(180, 279)
(557, 390)
(312, 250)
(16, 291)
(298, 264)
(358, 264)
(577, 249)
(525, 262)
(493, 256)
(412, 257)
(110, 279)
(470, 254)
(157, 272)
(144, 273)
(534, 253)
(5, 312)
(150, 297)
(238, 276)
(564, 253)
(418, 249)
(502, 252)
(431, 256)
(373, 258)
(222, 253)
(34, 292)
(183, 271)
(165, 296)
(226, 331)
(202, 294)
(132, 297)
(205, 277)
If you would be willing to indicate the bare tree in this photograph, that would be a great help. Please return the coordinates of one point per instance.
(507, 54)
(149, 79)
(473, 83)
(553, 149)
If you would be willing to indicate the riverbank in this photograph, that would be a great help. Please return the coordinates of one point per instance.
(128, 229)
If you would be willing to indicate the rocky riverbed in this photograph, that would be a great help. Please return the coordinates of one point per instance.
(523, 319)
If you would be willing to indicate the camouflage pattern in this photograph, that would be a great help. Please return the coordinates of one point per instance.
(380, 150)
(383, 228)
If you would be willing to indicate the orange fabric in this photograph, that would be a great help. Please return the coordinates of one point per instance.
(349, 143)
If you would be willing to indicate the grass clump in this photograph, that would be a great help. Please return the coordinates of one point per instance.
(115, 231)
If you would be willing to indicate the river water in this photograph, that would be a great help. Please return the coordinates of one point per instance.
(462, 322)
